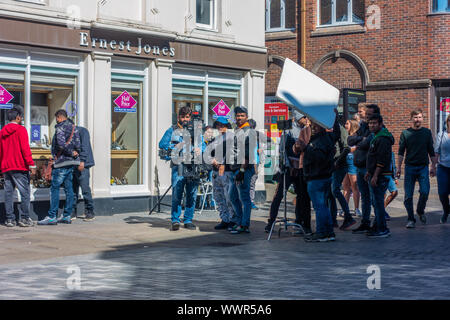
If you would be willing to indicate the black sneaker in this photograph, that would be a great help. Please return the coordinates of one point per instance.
(175, 226)
(363, 228)
(221, 226)
(10, 223)
(317, 237)
(332, 236)
(422, 218)
(231, 226)
(379, 234)
(89, 217)
(307, 230)
(347, 224)
(190, 226)
(26, 222)
(268, 227)
(444, 218)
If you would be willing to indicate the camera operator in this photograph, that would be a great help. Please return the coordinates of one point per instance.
(294, 176)
(174, 143)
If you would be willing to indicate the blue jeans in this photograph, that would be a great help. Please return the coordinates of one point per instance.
(81, 179)
(318, 191)
(61, 177)
(363, 187)
(21, 180)
(377, 195)
(179, 183)
(336, 183)
(413, 174)
(240, 198)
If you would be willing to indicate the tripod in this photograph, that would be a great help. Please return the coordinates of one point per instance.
(159, 204)
(284, 222)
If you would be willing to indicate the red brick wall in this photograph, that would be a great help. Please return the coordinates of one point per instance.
(349, 76)
(396, 106)
(439, 46)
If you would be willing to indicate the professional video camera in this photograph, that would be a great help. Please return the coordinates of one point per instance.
(189, 169)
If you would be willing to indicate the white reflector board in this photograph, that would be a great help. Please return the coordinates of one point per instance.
(308, 93)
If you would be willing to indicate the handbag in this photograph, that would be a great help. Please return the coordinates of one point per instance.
(48, 169)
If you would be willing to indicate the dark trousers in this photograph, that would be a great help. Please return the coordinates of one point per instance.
(443, 180)
(303, 202)
(336, 183)
(21, 181)
(377, 195)
(81, 179)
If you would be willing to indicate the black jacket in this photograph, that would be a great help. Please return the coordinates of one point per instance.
(86, 154)
(380, 153)
(318, 161)
(362, 142)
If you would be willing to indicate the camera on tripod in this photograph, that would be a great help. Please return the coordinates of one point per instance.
(284, 124)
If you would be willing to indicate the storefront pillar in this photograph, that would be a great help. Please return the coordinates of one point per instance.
(161, 120)
(99, 122)
(256, 109)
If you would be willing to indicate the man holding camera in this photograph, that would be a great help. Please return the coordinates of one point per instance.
(173, 139)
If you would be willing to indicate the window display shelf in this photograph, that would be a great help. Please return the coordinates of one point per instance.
(40, 154)
(124, 154)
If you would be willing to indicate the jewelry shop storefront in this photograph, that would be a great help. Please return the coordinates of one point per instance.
(125, 88)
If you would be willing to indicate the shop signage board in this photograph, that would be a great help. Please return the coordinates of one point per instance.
(309, 94)
(445, 105)
(272, 113)
(125, 103)
(5, 97)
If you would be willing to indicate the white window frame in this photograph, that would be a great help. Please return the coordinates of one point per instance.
(42, 2)
(333, 15)
(282, 20)
(212, 17)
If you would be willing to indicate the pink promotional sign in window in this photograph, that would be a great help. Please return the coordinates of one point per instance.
(5, 97)
(221, 109)
(125, 103)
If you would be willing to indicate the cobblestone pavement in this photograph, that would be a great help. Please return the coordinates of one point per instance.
(204, 264)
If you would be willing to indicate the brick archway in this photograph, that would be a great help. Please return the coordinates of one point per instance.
(351, 58)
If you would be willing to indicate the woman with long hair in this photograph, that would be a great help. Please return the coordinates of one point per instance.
(442, 149)
(349, 184)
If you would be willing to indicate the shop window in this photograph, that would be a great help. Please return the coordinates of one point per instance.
(280, 15)
(442, 103)
(11, 93)
(126, 132)
(205, 13)
(441, 5)
(187, 94)
(49, 93)
(339, 12)
(231, 97)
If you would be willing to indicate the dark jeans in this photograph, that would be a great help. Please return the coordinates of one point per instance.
(303, 202)
(363, 187)
(377, 194)
(81, 179)
(21, 180)
(180, 185)
(443, 180)
(240, 198)
(413, 174)
(318, 192)
(336, 183)
(61, 177)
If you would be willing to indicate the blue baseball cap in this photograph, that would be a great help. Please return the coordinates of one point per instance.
(222, 120)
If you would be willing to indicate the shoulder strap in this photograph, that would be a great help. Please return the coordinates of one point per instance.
(71, 135)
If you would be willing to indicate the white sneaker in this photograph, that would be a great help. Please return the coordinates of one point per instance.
(411, 224)
(358, 213)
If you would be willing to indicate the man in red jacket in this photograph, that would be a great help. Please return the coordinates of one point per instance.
(15, 164)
